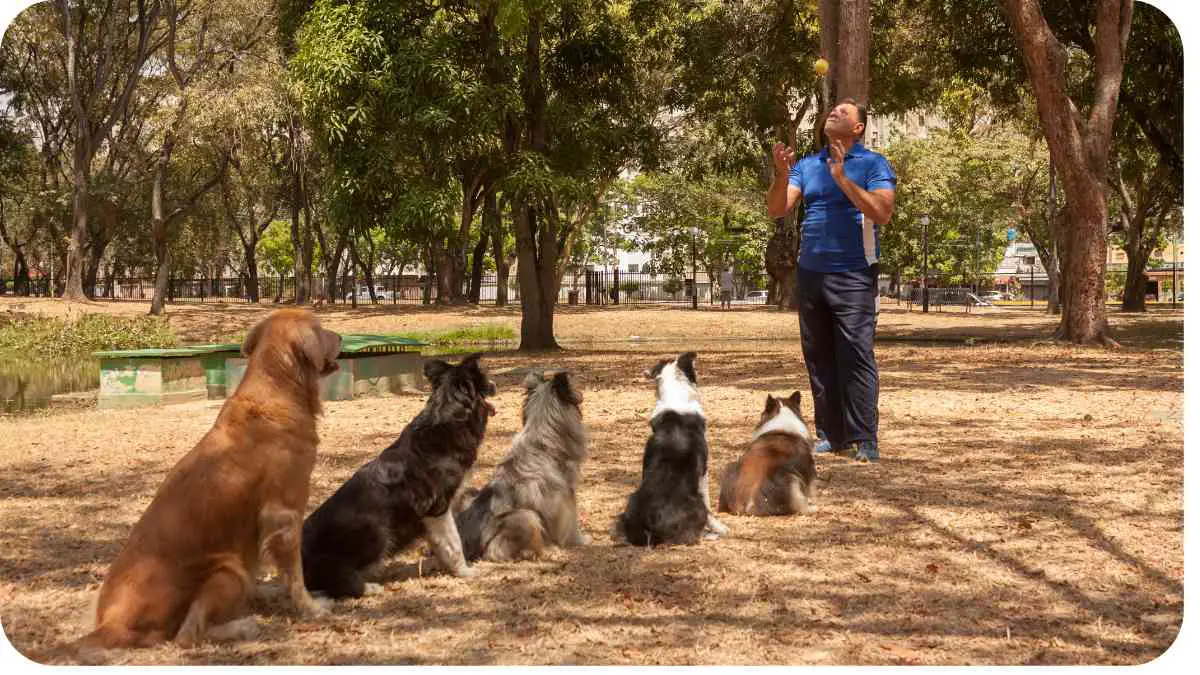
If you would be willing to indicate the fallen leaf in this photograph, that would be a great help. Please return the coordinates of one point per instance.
(932, 568)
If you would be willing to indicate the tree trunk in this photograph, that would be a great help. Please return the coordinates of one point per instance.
(491, 212)
(854, 51)
(73, 290)
(446, 271)
(1051, 260)
(1134, 299)
(158, 229)
(250, 260)
(830, 13)
(1080, 149)
(477, 263)
(427, 287)
(537, 247)
(539, 289)
(454, 257)
(95, 255)
(301, 243)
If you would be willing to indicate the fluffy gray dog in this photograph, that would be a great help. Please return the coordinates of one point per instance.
(530, 502)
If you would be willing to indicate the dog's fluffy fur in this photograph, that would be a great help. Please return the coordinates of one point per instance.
(775, 476)
(190, 562)
(406, 492)
(670, 505)
(530, 502)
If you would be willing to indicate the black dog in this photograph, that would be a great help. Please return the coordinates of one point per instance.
(406, 492)
(671, 504)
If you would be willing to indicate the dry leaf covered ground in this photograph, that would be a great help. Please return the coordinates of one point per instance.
(1029, 507)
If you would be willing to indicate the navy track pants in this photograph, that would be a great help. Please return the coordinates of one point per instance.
(837, 330)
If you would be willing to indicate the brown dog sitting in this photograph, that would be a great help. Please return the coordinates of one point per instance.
(190, 562)
(775, 476)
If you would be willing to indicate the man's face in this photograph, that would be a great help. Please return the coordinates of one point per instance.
(843, 121)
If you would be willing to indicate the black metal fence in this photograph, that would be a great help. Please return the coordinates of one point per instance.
(600, 287)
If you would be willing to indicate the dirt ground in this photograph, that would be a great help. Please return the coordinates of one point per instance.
(1028, 509)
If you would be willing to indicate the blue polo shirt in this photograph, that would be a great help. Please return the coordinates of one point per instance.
(835, 237)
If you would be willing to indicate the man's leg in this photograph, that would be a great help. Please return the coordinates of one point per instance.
(852, 299)
(817, 336)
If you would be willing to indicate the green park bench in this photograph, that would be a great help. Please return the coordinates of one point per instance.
(367, 364)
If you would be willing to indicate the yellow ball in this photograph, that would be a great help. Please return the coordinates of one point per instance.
(821, 67)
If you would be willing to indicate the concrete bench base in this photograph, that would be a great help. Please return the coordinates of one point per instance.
(135, 382)
(357, 375)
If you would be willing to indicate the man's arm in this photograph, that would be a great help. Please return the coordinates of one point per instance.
(782, 195)
(875, 204)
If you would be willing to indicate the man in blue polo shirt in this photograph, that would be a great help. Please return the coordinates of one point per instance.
(848, 191)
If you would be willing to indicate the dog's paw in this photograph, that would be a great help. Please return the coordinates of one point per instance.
(316, 607)
(245, 628)
(716, 526)
(710, 536)
(464, 572)
(372, 589)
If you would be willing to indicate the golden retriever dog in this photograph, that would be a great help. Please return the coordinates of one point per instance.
(239, 496)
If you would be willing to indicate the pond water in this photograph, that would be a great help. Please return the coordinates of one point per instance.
(29, 385)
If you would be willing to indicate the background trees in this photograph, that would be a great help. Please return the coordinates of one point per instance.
(461, 137)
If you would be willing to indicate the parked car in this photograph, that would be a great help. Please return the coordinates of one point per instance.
(995, 296)
(756, 296)
(364, 294)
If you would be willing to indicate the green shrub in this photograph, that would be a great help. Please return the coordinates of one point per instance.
(41, 337)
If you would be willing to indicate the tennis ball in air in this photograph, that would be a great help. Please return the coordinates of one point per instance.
(821, 66)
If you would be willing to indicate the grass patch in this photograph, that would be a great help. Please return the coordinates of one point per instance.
(468, 335)
(43, 338)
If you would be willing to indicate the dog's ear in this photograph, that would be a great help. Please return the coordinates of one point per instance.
(319, 348)
(653, 372)
(563, 389)
(471, 361)
(687, 364)
(533, 379)
(254, 337)
(795, 399)
(435, 369)
(772, 406)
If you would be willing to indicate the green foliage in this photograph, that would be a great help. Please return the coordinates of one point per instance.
(968, 186)
(275, 248)
(657, 211)
(44, 338)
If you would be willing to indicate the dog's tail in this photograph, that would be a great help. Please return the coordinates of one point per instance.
(520, 535)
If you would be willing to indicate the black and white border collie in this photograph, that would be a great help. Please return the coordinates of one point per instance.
(671, 504)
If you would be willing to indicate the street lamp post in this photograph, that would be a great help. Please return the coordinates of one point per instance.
(1030, 260)
(695, 288)
(1174, 270)
(925, 264)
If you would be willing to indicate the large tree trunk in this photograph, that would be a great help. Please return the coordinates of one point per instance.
(1080, 149)
(830, 11)
(539, 285)
(854, 50)
(537, 243)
